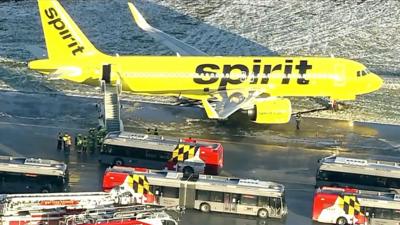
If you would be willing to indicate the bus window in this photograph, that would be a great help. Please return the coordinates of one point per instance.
(396, 214)
(152, 155)
(155, 190)
(393, 183)
(163, 156)
(170, 192)
(262, 201)
(248, 200)
(385, 214)
(202, 195)
(217, 196)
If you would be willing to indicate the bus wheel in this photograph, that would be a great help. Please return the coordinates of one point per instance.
(341, 221)
(187, 170)
(118, 162)
(263, 213)
(205, 207)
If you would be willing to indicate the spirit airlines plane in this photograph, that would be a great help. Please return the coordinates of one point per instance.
(223, 85)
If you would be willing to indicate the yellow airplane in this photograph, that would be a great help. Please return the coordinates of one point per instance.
(223, 85)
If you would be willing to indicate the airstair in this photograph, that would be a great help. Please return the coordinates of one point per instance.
(111, 119)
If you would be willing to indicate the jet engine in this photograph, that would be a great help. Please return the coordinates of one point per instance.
(271, 111)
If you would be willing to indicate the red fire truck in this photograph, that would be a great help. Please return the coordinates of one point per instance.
(159, 152)
(352, 206)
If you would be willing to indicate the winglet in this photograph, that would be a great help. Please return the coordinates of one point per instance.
(139, 19)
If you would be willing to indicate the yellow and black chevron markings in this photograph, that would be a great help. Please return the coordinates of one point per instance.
(350, 205)
(139, 183)
(183, 152)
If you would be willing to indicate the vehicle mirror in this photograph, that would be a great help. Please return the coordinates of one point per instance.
(367, 214)
(234, 200)
(157, 192)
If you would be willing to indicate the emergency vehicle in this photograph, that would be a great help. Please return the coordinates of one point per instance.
(159, 152)
(12, 204)
(352, 206)
(203, 192)
(376, 175)
(130, 215)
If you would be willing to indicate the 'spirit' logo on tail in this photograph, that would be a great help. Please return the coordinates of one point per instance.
(64, 33)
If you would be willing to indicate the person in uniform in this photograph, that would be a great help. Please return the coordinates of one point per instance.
(78, 143)
(84, 143)
(59, 141)
(298, 120)
(68, 142)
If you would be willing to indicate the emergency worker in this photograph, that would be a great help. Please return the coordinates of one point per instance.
(67, 142)
(60, 141)
(84, 143)
(78, 143)
(298, 120)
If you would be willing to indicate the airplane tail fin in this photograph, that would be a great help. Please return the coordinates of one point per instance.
(63, 37)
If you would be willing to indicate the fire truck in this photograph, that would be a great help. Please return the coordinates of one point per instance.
(113, 208)
(130, 215)
(342, 206)
(186, 155)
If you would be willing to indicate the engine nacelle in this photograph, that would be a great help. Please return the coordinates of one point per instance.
(271, 111)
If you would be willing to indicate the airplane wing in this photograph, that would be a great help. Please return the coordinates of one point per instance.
(172, 43)
(227, 105)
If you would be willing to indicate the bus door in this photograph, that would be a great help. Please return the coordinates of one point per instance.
(187, 195)
(276, 205)
(230, 202)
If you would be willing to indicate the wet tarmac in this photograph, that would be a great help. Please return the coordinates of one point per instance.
(29, 124)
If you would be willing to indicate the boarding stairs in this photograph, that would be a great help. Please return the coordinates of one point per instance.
(111, 106)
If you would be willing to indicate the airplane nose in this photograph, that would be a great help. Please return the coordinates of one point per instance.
(375, 83)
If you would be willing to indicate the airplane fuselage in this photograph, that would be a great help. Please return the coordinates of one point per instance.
(277, 76)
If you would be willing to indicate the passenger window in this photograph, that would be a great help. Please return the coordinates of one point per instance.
(262, 201)
(151, 154)
(217, 196)
(249, 200)
(396, 214)
(164, 156)
(203, 195)
(170, 192)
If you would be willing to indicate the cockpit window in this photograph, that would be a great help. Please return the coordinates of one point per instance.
(363, 72)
